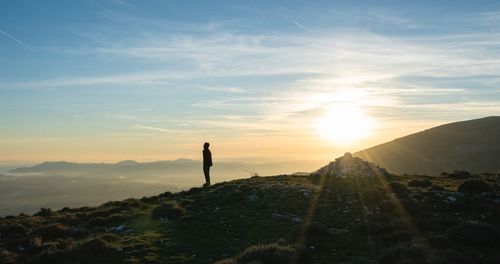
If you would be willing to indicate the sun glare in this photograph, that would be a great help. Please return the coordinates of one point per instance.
(344, 124)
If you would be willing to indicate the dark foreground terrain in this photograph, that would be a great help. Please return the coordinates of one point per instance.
(453, 218)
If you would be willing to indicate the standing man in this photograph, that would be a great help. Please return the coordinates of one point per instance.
(207, 163)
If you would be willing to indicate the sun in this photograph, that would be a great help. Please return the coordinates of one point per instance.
(344, 124)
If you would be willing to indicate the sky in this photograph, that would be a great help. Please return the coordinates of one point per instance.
(110, 80)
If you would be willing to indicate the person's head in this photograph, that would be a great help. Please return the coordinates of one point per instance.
(206, 145)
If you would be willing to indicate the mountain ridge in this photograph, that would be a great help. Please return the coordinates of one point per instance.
(470, 145)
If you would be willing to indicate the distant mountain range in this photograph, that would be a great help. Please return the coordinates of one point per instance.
(472, 145)
(181, 172)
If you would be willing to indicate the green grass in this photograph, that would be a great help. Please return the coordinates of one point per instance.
(344, 222)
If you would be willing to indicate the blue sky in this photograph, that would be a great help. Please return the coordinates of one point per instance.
(111, 80)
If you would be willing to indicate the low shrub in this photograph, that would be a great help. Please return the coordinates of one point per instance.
(97, 221)
(473, 234)
(113, 219)
(7, 257)
(194, 190)
(388, 206)
(437, 187)
(420, 183)
(131, 203)
(99, 213)
(116, 219)
(44, 212)
(110, 237)
(166, 194)
(317, 229)
(448, 257)
(65, 244)
(438, 241)
(402, 253)
(13, 229)
(459, 175)
(397, 188)
(95, 247)
(398, 236)
(372, 198)
(170, 209)
(474, 187)
(272, 254)
(52, 232)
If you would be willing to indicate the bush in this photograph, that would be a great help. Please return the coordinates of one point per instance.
(438, 241)
(449, 257)
(373, 197)
(96, 247)
(131, 203)
(420, 183)
(44, 212)
(397, 188)
(388, 206)
(403, 254)
(459, 175)
(398, 236)
(194, 190)
(13, 229)
(97, 221)
(52, 232)
(110, 238)
(317, 229)
(113, 219)
(272, 254)
(116, 219)
(437, 187)
(474, 187)
(7, 257)
(65, 244)
(99, 213)
(472, 234)
(170, 209)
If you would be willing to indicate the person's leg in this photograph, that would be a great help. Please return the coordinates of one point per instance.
(206, 170)
(208, 175)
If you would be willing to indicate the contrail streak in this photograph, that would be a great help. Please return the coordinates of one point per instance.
(16, 40)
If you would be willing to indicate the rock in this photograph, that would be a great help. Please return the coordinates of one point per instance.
(420, 183)
(450, 199)
(348, 165)
(119, 228)
(474, 187)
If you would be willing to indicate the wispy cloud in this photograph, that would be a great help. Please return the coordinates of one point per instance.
(158, 129)
(309, 71)
(302, 26)
(17, 41)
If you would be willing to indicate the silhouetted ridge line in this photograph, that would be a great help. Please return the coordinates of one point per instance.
(472, 145)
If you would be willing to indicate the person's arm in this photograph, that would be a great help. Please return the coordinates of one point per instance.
(210, 158)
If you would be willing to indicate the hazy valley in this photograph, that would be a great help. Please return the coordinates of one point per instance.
(61, 184)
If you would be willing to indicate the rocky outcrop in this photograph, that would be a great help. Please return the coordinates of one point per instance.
(349, 166)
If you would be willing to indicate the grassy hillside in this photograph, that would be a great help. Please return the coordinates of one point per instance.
(472, 145)
(411, 219)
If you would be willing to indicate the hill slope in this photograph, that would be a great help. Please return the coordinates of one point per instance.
(350, 220)
(472, 145)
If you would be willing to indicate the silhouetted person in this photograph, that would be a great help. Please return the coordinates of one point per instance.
(207, 162)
